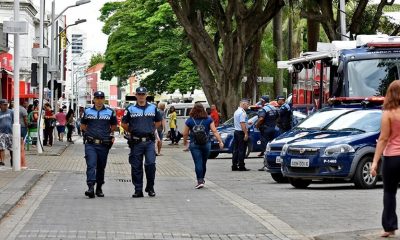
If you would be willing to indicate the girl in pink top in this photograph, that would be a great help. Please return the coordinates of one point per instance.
(389, 145)
(61, 121)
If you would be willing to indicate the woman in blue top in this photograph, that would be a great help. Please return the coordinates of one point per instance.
(197, 125)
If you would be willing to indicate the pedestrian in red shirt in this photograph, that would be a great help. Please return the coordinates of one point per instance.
(214, 115)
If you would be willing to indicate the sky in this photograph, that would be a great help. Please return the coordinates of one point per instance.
(96, 40)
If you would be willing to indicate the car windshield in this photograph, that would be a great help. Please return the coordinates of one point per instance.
(321, 119)
(363, 121)
(229, 122)
(372, 77)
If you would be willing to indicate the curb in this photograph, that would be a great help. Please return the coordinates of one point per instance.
(16, 190)
(50, 153)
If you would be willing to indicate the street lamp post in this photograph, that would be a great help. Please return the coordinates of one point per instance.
(54, 43)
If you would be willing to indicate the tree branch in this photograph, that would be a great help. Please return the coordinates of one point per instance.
(378, 14)
(357, 17)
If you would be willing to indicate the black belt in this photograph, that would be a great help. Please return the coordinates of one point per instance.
(92, 140)
(141, 139)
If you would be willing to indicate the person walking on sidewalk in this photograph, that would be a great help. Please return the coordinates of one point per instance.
(99, 123)
(49, 124)
(6, 122)
(173, 130)
(240, 137)
(161, 129)
(199, 125)
(140, 122)
(389, 145)
(70, 125)
(23, 119)
(61, 121)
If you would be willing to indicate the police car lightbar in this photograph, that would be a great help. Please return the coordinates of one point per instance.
(354, 101)
(383, 45)
(133, 98)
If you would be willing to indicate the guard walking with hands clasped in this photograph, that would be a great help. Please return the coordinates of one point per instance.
(140, 121)
(99, 124)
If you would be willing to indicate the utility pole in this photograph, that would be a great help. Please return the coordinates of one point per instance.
(53, 53)
(343, 20)
(40, 77)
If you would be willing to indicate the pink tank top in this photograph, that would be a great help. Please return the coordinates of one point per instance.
(393, 145)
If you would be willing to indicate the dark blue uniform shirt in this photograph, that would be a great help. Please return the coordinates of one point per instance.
(99, 122)
(285, 116)
(270, 114)
(141, 119)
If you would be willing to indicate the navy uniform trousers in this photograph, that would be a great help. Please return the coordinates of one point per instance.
(138, 150)
(96, 160)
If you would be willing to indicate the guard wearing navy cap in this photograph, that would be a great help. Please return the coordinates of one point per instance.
(267, 116)
(264, 100)
(284, 120)
(99, 123)
(140, 121)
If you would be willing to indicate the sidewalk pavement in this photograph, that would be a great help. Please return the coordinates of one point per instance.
(15, 185)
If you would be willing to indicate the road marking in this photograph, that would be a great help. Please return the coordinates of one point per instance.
(277, 227)
(19, 216)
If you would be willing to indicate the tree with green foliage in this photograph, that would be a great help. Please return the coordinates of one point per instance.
(145, 36)
(96, 58)
(220, 32)
(361, 17)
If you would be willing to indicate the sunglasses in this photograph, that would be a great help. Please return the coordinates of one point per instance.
(141, 94)
(99, 97)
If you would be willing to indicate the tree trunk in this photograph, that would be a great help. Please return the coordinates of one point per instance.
(253, 57)
(312, 29)
(220, 61)
(290, 43)
(278, 45)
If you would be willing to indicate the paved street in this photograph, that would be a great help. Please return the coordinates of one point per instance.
(233, 205)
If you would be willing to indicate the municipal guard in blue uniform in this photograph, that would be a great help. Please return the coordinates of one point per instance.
(267, 116)
(284, 120)
(99, 123)
(140, 121)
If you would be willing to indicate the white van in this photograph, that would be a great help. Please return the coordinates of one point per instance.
(182, 113)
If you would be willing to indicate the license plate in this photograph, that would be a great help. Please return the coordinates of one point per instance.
(278, 159)
(300, 163)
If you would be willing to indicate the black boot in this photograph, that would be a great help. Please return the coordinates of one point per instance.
(137, 194)
(150, 191)
(90, 191)
(99, 191)
(150, 175)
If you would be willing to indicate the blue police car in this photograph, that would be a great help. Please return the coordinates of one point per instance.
(226, 132)
(343, 150)
(254, 145)
(313, 123)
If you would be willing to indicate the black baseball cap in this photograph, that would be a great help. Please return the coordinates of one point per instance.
(280, 97)
(98, 94)
(141, 90)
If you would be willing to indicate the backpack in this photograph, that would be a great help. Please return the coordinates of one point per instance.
(199, 133)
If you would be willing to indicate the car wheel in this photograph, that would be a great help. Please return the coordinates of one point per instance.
(249, 148)
(279, 178)
(299, 183)
(213, 155)
(362, 177)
